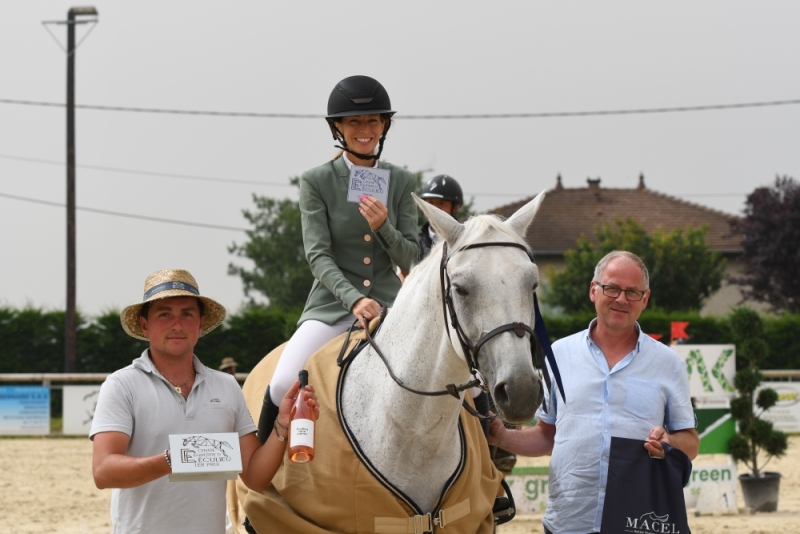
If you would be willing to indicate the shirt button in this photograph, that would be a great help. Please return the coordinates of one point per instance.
(606, 404)
(367, 283)
(367, 237)
(605, 430)
(602, 490)
(367, 261)
(605, 457)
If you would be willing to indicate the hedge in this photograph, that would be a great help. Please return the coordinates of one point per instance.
(32, 340)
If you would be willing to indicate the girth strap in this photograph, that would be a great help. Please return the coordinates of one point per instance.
(420, 524)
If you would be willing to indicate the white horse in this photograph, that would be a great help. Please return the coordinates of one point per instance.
(415, 443)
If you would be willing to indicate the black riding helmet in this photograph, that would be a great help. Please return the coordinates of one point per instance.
(359, 95)
(444, 187)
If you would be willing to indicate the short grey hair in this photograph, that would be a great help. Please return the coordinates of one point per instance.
(614, 254)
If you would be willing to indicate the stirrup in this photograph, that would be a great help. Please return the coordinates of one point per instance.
(504, 508)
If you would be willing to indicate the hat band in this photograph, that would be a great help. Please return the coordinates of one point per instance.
(166, 286)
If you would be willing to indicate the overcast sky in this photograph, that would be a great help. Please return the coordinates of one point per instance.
(456, 57)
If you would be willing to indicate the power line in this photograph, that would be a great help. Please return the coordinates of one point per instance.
(127, 215)
(639, 111)
(273, 184)
(148, 173)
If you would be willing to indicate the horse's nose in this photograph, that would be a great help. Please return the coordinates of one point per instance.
(500, 395)
(516, 400)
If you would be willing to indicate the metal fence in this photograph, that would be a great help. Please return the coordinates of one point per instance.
(52, 379)
(48, 379)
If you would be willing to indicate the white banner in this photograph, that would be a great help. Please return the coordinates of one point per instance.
(529, 486)
(785, 415)
(529, 491)
(79, 405)
(711, 369)
(724, 475)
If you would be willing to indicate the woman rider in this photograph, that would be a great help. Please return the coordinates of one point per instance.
(350, 247)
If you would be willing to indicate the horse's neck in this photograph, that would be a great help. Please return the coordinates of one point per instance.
(395, 428)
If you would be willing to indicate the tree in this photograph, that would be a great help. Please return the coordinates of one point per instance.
(771, 241)
(683, 272)
(756, 436)
(275, 246)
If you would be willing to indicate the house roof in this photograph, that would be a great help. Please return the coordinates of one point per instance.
(566, 213)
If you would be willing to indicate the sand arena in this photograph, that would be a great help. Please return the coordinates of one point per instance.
(46, 486)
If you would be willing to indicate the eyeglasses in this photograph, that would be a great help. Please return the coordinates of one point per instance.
(634, 295)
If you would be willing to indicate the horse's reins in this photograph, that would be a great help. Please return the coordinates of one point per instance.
(469, 349)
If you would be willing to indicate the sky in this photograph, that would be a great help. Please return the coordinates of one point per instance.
(434, 58)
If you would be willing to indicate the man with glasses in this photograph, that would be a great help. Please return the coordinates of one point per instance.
(618, 382)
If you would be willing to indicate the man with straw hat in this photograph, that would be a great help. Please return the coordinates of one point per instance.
(167, 390)
(228, 365)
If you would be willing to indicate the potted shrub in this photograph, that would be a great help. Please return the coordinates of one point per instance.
(756, 441)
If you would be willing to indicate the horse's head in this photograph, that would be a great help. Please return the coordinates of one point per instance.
(489, 279)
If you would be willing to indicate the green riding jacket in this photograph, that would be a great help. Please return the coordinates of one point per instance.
(348, 259)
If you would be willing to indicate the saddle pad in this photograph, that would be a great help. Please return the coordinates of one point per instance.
(337, 493)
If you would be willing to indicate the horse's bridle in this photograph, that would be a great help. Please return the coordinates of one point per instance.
(470, 349)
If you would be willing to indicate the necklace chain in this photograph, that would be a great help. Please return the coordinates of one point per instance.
(178, 386)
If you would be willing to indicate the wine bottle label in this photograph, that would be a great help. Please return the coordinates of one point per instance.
(302, 432)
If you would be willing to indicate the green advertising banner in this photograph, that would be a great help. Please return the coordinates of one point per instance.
(711, 369)
(715, 427)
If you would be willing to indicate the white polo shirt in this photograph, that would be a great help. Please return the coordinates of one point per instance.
(139, 402)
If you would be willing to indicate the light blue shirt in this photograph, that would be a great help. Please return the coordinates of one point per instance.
(648, 387)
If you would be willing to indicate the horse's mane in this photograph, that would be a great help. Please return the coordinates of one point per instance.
(475, 228)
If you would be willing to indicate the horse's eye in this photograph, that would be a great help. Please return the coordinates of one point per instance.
(461, 291)
(536, 286)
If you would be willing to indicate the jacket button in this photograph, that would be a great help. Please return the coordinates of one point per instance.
(367, 283)
(367, 261)
(367, 237)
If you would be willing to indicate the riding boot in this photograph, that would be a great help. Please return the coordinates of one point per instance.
(269, 412)
(482, 407)
(504, 460)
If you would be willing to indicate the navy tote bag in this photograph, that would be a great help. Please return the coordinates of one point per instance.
(644, 495)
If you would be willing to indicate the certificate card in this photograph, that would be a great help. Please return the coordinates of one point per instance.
(205, 456)
(370, 181)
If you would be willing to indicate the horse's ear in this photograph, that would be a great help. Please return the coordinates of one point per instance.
(520, 221)
(443, 224)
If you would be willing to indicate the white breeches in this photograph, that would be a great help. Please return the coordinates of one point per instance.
(307, 339)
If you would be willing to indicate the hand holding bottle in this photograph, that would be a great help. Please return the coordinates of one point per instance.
(304, 417)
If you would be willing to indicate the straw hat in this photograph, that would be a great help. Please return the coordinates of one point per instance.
(171, 283)
(227, 362)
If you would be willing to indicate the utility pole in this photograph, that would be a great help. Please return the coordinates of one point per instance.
(71, 323)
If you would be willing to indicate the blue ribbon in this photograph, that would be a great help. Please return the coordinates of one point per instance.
(166, 286)
(544, 339)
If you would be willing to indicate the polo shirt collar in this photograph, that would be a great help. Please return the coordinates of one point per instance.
(144, 363)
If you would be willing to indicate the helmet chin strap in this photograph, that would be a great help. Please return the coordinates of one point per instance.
(343, 144)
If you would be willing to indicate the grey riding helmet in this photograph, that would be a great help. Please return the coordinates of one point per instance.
(444, 187)
(358, 95)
